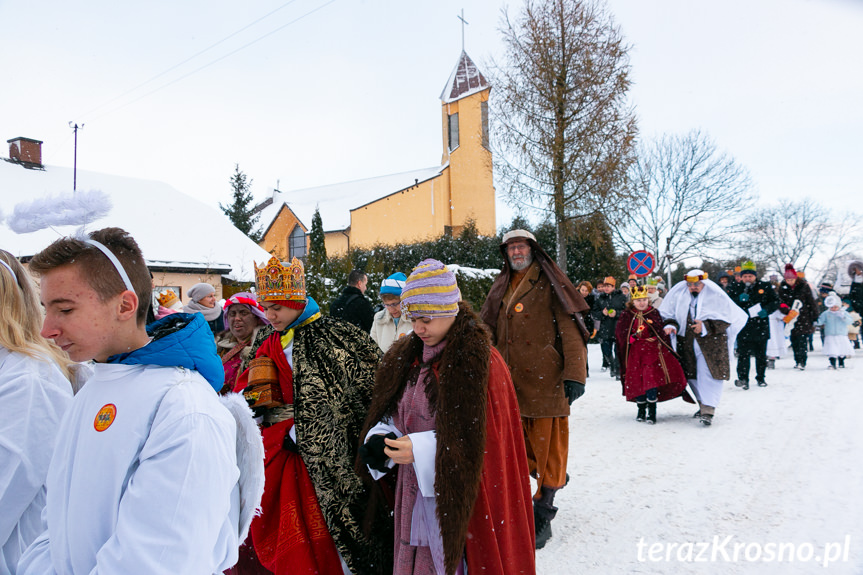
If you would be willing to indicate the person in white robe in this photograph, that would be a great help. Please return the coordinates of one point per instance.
(34, 394)
(777, 345)
(699, 313)
(146, 476)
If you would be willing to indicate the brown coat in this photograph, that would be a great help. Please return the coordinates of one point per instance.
(714, 347)
(542, 345)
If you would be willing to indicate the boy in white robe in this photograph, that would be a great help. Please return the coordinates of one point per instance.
(144, 477)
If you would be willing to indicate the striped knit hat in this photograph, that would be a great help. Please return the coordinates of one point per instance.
(431, 291)
(394, 284)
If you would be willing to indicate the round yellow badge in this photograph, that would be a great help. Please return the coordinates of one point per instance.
(105, 417)
(519, 307)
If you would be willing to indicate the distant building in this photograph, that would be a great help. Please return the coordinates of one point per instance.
(405, 207)
(184, 241)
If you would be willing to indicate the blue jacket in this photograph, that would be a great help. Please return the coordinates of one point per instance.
(835, 322)
(179, 340)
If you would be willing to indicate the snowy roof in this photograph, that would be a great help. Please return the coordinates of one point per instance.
(337, 200)
(173, 229)
(466, 79)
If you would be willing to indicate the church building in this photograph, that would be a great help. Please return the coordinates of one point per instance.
(406, 207)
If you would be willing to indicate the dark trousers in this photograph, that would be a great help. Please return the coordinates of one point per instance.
(609, 354)
(747, 349)
(800, 345)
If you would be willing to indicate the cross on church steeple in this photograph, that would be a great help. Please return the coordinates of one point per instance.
(463, 22)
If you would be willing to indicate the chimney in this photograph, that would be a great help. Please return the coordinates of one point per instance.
(26, 152)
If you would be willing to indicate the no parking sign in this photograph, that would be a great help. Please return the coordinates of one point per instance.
(640, 263)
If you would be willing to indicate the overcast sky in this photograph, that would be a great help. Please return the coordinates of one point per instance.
(313, 92)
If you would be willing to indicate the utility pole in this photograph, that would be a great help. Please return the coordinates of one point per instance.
(669, 257)
(75, 127)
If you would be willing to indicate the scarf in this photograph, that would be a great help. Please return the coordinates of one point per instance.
(209, 313)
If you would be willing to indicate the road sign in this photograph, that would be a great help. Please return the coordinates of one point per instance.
(640, 263)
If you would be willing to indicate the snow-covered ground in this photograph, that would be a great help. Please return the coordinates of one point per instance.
(779, 471)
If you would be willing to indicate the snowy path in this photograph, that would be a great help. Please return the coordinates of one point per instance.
(780, 465)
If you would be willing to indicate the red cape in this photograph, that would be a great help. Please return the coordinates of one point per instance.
(501, 538)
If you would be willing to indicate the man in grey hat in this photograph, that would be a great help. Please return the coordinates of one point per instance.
(533, 311)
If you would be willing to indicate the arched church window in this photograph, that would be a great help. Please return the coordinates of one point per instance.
(453, 131)
(297, 243)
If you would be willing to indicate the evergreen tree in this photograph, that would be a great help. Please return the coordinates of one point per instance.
(241, 210)
(316, 261)
(317, 243)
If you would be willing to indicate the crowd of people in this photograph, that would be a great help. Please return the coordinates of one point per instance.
(739, 316)
(259, 435)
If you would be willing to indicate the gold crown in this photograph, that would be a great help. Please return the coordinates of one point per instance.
(277, 282)
(638, 292)
(168, 298)
(695, 276)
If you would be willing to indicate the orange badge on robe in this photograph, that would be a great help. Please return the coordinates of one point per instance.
(519, 307)
(105, 417)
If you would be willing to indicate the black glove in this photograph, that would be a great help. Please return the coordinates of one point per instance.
(289, 444)
(372, 452)
(573, 390)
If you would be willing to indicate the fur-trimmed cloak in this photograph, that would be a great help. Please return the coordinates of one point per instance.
(484, 505)
(333, 377)
(647, 359)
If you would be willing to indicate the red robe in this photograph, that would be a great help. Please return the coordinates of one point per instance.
(647, 360)
(290, 535)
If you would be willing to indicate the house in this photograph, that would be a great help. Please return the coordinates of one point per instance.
(184, 240)
(405, 207)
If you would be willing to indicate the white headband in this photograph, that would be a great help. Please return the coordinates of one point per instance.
(8, 267)
(110, 255)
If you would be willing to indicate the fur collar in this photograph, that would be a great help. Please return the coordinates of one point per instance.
(460, 418)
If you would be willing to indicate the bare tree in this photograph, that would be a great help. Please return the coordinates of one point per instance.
(688, 195)
(799, 232)
(564, 131)
(844, 239)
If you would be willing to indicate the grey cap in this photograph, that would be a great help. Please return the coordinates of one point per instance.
(199, 291)
(516, 234)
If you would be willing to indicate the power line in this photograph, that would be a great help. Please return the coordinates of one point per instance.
(195, 71)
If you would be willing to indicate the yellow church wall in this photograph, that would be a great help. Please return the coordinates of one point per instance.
(275, 240)
(337, 243)
(470, 166)
(418, 213)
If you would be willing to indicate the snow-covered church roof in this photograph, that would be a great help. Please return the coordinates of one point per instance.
(466, 79)
(174, 230)
(337, 200)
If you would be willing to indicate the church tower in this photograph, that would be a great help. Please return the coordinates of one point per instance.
(466, 147)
